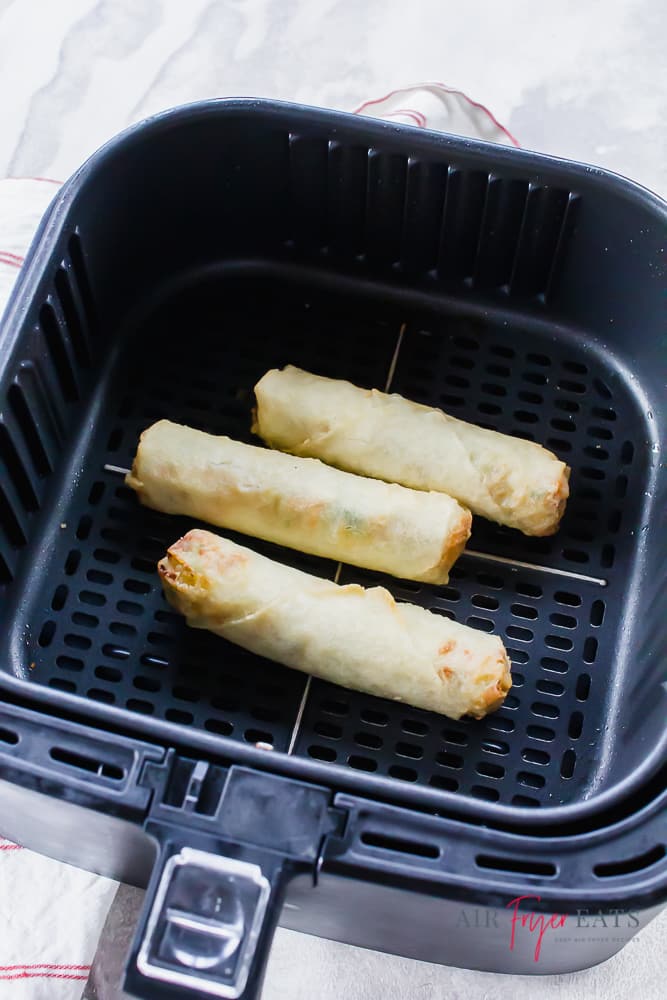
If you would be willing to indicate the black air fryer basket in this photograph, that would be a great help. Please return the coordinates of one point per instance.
(516, 291)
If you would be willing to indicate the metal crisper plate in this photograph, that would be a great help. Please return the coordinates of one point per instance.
(100, 626)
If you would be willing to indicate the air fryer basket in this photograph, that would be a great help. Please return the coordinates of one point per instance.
(100, 627)
(515, 291)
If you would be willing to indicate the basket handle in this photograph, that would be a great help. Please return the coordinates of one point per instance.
(208, 925)
(217, 891)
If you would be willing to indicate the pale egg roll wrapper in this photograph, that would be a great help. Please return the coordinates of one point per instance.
(299, 502)
(514, 482)
(348, 635)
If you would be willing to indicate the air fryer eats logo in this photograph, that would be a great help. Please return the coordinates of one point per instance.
(536, 923)
(525, 921)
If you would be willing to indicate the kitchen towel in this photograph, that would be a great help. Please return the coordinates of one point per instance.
(50, 920)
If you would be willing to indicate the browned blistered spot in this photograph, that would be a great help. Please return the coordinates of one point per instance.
(207, 546)
(227, 559)
(311, 513)
(445, 674)
(447, 647)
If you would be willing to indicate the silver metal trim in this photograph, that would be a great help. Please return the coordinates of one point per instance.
(394, 359)
(299, 715)
(227, 866)
(542, 569)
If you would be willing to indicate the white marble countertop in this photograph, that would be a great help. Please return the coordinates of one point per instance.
(579, 79)
(583, 80)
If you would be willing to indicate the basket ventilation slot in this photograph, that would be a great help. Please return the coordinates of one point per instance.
(491, 862)
(627, 866)
(81, 762)
(377, 207)
(36, 410)
(398, 845)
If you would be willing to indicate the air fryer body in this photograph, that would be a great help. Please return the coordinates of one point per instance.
(515, 291)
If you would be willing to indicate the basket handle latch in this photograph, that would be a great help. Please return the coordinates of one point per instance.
(217, 892)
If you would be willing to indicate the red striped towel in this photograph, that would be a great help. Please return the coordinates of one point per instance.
(50, 920)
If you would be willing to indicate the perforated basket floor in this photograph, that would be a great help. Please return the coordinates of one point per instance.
(101, 627)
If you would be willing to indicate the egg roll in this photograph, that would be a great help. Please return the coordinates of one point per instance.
(506, 479)
(356, 637)
(299, 502)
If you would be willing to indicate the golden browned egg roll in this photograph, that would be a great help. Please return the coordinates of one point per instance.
(348, 635)
(299, 502)
(507, 479)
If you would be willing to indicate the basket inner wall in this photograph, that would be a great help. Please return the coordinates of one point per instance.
(94, 622)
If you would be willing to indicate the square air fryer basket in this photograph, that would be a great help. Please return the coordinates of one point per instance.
(513, 290)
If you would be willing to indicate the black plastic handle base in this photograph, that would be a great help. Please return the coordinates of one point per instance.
(216, 894)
